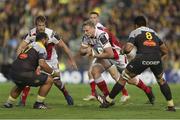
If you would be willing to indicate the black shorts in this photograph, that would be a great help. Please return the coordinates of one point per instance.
(140, 63)
(22, 79)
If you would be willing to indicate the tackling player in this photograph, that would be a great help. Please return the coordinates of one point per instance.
(23, 72)
(54, 40)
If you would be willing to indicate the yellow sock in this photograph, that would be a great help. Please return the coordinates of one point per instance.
(109, 99)
(40, 98)
(11, 100)
(170, 103)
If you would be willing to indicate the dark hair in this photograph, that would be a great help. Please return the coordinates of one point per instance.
(40, 18)
(89, 23)
(140, 21)
(40, 36)
(94, 13)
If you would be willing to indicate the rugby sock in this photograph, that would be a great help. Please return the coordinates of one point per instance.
(93, 87)
(102, 85)
(142, 86)
(40, 99)
(170, 103)
(108, 99)
(124, 92)
(64, 91)
(10, 100)
(61, 87)
(166, 91)
(115, 90)
(24, 95)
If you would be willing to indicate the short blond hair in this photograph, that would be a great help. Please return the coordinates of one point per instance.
(88, 23)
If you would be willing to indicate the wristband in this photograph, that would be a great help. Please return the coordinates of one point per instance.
(52, 72)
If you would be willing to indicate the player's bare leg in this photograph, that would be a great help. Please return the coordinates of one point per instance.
(120, 85)
(97, 70)
(15, 92)
(42, 93)
(140, 84)
(115, 75)
(109, 100)
(166, 91)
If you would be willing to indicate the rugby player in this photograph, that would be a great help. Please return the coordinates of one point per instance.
(94, 16)
(151, 52)
(23, 72)
(54, 40)
(98, 45)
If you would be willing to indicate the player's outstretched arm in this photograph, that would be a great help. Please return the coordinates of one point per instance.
(62, 45)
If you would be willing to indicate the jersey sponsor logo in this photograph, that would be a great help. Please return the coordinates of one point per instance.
(150, 62)
(23, 56)
(103, 39)
(149, 43)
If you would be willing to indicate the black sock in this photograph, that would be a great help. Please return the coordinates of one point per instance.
(166, 91)
(61, 87)
(115, 90)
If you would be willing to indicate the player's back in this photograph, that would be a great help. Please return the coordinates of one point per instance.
(27, 60)
(146, 40)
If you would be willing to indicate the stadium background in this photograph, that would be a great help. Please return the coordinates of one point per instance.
(67, 16)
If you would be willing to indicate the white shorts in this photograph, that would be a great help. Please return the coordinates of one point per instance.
(53, 64)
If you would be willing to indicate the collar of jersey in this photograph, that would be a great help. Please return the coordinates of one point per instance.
(40, 44)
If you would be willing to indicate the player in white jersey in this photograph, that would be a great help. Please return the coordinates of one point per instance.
(96, 43)
(94, 16)
(54, 40)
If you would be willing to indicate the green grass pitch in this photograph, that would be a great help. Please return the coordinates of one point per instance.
(133, 109)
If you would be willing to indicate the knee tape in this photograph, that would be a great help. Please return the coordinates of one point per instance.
(125, 75)
(160, 78)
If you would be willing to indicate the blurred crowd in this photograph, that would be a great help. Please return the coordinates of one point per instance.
(67, 16)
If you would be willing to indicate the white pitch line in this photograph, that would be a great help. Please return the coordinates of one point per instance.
(177, 108)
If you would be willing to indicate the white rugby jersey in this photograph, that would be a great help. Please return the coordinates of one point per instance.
(53, 40)
(100, 40)
(112, 39)
(99, 25)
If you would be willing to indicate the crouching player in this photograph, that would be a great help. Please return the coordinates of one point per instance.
(23, 72)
